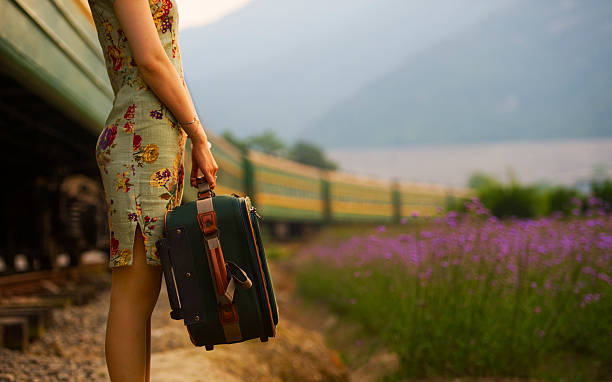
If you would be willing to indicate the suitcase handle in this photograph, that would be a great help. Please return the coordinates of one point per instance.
(204, 190)
(238, 276)
(162, 247)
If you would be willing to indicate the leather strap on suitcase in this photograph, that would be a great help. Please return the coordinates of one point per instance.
(224, 286)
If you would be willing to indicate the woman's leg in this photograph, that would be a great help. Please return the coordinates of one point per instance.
(148, 350)
(134, 292)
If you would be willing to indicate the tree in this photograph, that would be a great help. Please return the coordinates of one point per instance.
(268, 142)
(479, 180)
(231, 138)
(310, 154)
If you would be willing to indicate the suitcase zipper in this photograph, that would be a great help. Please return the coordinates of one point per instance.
(254, 210)
(261, 289)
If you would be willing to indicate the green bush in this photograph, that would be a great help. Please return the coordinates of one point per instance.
(454, 203)
(503, 200)
(513, 200)
(530, 201)
(561, 199)
(603, 190)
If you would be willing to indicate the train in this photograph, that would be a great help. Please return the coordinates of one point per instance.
(285, 191)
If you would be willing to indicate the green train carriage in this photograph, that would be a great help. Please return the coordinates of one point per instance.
(424, 199)
(287, 191)
(359, 199)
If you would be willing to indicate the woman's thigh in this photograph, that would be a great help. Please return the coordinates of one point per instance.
(136, 286)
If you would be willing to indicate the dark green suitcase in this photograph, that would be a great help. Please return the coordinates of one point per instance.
(215, 269)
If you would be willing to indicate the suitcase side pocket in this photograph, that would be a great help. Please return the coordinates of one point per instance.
(162, 248)
(187, 284)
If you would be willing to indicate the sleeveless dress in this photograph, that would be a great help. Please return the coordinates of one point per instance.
(140, 151)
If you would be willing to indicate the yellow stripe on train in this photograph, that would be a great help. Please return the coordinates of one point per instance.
(419, 210)
(287, 180)
(363, 208)
(276, 200)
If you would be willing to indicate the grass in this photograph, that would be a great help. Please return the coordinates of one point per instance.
(469, 295)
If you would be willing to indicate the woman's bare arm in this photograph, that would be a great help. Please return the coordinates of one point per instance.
(163, 79)
(188, 94)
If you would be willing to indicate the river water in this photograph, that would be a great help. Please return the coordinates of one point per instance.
(571, 161)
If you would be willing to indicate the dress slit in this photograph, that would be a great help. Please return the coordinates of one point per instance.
(134, 238)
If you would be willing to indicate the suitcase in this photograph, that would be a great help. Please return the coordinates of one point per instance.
(215, 269)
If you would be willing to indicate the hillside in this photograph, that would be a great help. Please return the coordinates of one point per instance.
(281, 64)
(335, 72)
(541, 73)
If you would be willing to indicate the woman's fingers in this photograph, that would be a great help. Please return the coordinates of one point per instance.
(205, 162)
(211, 180)
(211, 175)
(194, 173)
(213, 172)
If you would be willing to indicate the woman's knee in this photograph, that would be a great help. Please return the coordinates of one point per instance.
(133, 293)
(138, 283)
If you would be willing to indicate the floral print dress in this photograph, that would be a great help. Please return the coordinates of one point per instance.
(140, 151)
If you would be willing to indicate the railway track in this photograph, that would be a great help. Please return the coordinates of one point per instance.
(28, 299)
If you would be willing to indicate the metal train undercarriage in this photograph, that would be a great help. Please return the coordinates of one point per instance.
(53, 199)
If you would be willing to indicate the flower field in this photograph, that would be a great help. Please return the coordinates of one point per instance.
(472, 295)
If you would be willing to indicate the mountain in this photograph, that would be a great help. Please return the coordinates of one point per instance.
(282, 64)
(532, 70)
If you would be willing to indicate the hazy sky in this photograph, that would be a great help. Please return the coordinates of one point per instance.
(200, 12)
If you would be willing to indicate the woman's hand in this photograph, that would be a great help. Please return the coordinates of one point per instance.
(203, 160)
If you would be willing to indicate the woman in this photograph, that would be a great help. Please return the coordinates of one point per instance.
(140, 157)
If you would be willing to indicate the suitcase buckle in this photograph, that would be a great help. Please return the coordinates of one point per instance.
(208, 222)
(206, 194)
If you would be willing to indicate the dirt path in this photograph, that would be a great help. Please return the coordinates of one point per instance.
(365, 358)
(72, 349)
(296, 354)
